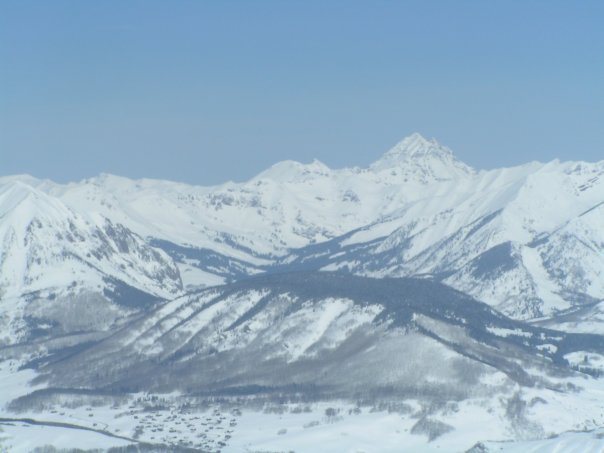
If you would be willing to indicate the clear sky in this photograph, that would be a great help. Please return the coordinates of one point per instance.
(206, 91)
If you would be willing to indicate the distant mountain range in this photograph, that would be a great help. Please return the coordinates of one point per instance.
(527, 240)
(416, 279)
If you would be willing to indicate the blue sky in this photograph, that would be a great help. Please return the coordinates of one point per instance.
(206, 91)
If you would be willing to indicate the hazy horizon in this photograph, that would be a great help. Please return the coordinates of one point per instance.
(204, 92)
(229, 180)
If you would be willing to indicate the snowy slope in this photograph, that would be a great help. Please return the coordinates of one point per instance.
(99, 285)
(417, 210)
(331, 334)
(52, 258)
(289, 205)
(449, 370)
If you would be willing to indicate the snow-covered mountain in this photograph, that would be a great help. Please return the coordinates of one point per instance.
(318, 330)
(436, 358)
(405, 286)
(416, 158)
(524, 239)
(61, 271)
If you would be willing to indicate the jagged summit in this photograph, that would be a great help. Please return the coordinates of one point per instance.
(290, 170)
(427, 159)
(415, 145)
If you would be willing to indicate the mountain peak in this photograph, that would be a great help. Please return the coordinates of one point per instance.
(22, 201)
(289, 170)
(16, 192)
(427, 158)
(415, 145)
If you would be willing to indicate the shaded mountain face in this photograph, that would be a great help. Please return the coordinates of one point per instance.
(62, 272)
(325, 335)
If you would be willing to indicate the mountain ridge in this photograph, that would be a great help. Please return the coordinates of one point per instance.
(444, 295)
(408, 211)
